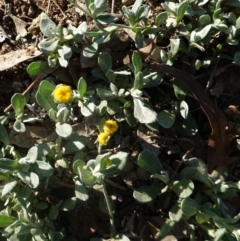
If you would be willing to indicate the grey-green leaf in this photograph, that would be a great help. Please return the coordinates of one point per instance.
(165, 229)
(80, 191)
(180, 89)
(86, 176)
(105, 62)
(43, 95)
(145, 194)
(150, 162)
(190, 125)
(105, 94)
(48, 46)
(184, 110)
(8, 187)
(139, 40)
(174, 47)
(75, 144)
(32, 154)
(117, 163)
(19, 126)
(161, 18)
(175, 212)
(47, 26)
(63, 114)
(82, 87)
(237, 58)
(8, 165)
(43, 169)
(189, 207)
(137, 62)
(202, 217)
(69, 204)
(88, 108)
(200, 33)
(142, 112)
(65, 52)
(119, 237)
(131, 120)
(34, 180)
(182, 8)
(18, 102)
(163, 176)
(90, 50)
(4, 135)
(183, 188)
(204, 20)
(53, 213)
(138, 81)
(165, 118)
(6, 220)
(37, 67)
(63, 130)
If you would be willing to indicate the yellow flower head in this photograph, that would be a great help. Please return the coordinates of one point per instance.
(110, 126)
(62, 93)
(107, 163)
(103, 138)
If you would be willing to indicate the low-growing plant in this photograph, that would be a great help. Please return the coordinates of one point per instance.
(201, 199)
(59, 43)
(26, 177)
(183, 30)
(186, 27)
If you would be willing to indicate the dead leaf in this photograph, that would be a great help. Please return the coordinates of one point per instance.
(169, 238)
(147, 50)
(30, 137)
(83, 6)
(34, 27)
(155, 54)
(146, 141)
(127, 2)
(3, 34)
(20, 25)
(13, 58)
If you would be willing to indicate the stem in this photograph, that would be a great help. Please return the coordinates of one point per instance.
(120, 25)
(99, 149)
(63, 184)
(112, 227)
(58, 147)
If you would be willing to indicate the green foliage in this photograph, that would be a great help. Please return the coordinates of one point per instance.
(4, 135)
(23, 174)
(149, 161)
(36, 68)
(145, 194)
(184, 30)
(43, 96)
(165, 118)
(58, 44)
(195, 206)
(196, 23)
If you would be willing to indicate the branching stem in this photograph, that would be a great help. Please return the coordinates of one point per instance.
(112, 227)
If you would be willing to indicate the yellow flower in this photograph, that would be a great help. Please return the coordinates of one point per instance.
(62, 93)
(107, 163)
(110, 126)
(103, 138)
